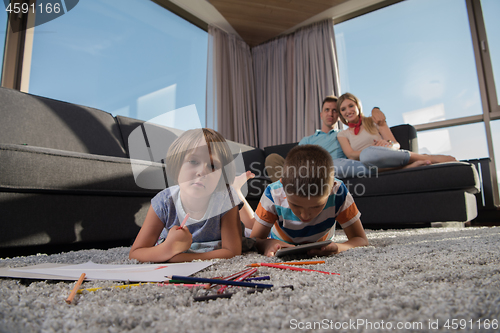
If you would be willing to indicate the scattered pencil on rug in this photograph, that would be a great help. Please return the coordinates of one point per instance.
(75, 289)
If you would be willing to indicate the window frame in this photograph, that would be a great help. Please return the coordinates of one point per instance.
(489, 99)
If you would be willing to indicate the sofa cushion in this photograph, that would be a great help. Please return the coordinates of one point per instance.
(43, 122)
(254, 160)
(437, 177)
(35, 169)
(280, 149)
(417, 208)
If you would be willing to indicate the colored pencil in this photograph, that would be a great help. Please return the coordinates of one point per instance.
(258, 278)
(75, 289)
(239, 278)
(230, 277)
(184, 221)
(296, 268)
(293, 263)
(223, 282)
(229, 295)
(126, 286)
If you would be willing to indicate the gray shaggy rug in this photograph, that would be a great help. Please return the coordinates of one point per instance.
(415, 280)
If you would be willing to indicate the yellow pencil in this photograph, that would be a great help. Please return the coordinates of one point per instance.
(123, 286)
(294, 263)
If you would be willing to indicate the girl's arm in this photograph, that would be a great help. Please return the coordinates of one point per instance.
(231, 240)
(144, 248)
(348, 151)
(355, 237)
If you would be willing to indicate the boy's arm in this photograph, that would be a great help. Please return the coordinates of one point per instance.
(355, 237)
(267, 247)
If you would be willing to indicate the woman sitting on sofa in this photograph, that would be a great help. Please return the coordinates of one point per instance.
(370, 140)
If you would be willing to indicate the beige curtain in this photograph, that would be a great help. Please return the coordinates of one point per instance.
(272, 94)
(292, 76)
(230, 88)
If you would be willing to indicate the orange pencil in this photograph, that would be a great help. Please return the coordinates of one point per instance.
(297, 268)
(75, 289)
(294, 263)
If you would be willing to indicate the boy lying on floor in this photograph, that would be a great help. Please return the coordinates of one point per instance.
(303, 205)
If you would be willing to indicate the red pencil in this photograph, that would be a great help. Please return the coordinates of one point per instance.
(296, 268)
(184, 221)
(239, 278)
(230, 277)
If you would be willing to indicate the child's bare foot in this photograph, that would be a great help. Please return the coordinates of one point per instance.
(417, 164)
(240, 180)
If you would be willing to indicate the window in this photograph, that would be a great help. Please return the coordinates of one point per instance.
(3, 33)
(495, 129)
(491, 10)
(127, 57)
(413, 59)
(463, 142)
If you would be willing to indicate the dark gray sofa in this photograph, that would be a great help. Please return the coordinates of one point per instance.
(69, 175)
(66, 177)
(410, 197)
(65, 174)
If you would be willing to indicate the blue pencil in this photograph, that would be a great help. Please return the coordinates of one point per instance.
(218, 281)
(259, 278)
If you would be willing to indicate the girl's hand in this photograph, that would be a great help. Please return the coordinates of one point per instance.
(178, 239)
(327, 250)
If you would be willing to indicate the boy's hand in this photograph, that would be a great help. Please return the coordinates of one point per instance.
(268, 247)
(327, 250)
(178, 239)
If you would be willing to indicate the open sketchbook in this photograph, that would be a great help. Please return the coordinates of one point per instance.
(135, 273)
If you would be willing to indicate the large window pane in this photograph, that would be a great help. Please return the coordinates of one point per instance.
(3, 33)
(491, 11)
(413, 59)
(128, 57)
(463, 142)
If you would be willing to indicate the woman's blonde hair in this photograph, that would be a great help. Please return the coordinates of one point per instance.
(188, 141)
(367, 122)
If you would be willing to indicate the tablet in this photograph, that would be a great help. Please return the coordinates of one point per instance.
(301, 249)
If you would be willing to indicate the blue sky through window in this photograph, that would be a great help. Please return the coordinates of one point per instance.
(128, 57)
(413, 59)
(3, 32)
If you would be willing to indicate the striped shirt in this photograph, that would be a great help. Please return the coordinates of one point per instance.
(274, 212)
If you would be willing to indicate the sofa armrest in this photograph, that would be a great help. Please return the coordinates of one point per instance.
(406, 135)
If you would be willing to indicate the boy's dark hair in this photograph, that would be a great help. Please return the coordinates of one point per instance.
(308, 171)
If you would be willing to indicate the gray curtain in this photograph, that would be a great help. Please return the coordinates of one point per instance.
(292, 75)
(272, 94)
(230, 88)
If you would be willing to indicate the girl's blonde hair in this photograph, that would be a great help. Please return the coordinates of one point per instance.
(368, 122)
(188, 141)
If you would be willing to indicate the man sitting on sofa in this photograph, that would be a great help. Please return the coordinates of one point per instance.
(326, 137)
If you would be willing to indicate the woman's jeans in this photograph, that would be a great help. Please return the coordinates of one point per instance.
(383, 157)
